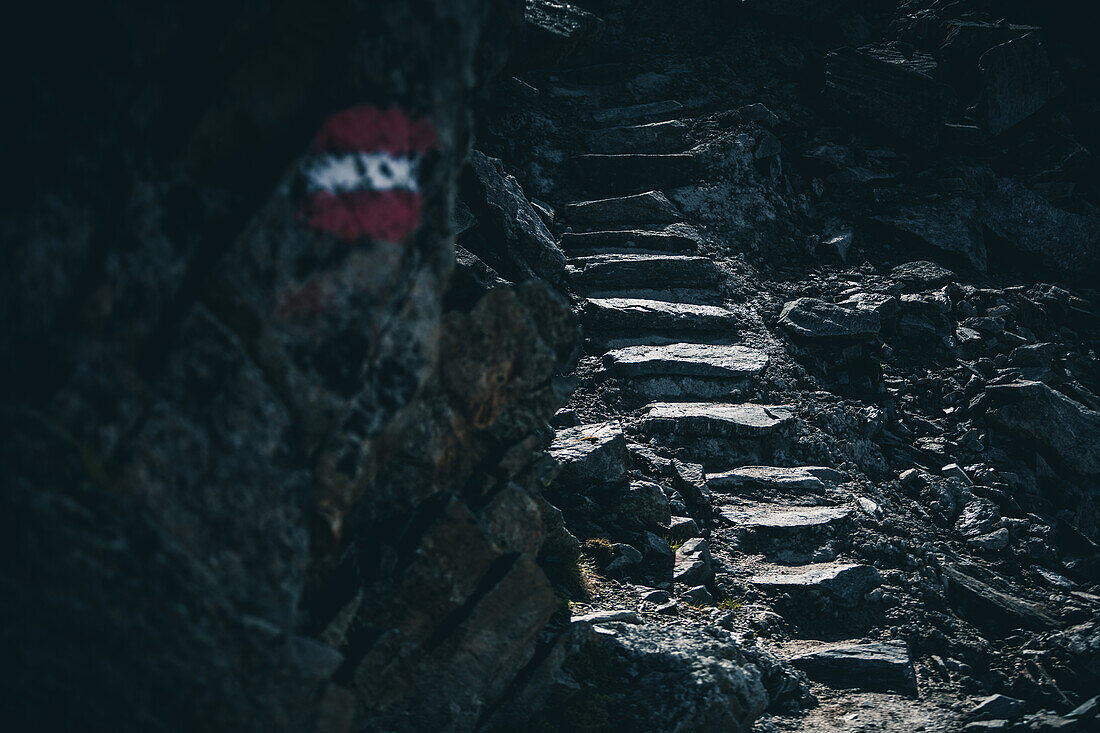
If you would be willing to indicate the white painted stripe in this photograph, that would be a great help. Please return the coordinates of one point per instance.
(361, 172)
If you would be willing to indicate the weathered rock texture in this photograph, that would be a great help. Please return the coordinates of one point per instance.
(242, 441)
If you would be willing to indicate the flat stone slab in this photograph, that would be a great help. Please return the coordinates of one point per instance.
(778, 517)
(775, 478)
(673, 238)
(875, 666)
(846, 582)
(592, 453)
(713, 419)
(731, 362)
(642, 271)
(635, 113)
(657, 137)
(651, 207)
(616, 174)
(625, 314)
(810, 318)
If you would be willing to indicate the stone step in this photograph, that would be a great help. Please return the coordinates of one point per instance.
(732, 362)
(598, 74)
(685, 370)
(714, 419)
(622, 174)
(651, 207)
(779, 519)
(844, 582)
(639, 271)
(657, 137)
(633, 114)
(775, 479)
(882, 666)
(673, 238)
(656, 317)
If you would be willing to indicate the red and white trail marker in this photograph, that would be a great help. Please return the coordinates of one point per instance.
(362, 179)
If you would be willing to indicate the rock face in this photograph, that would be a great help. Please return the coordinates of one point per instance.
(248, 438)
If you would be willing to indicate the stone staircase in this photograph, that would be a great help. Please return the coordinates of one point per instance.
(654, 311)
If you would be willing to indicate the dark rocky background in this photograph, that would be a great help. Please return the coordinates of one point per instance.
(451, 497)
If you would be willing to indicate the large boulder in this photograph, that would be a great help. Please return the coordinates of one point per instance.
(812, 319)
(1062, 428)
(628, 677)
(891, 89)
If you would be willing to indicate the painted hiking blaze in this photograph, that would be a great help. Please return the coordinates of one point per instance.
(362, 179)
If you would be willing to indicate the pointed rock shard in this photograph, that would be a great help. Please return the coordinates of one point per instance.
(877, 666)
(652, 207)
(845, 582)
(708, 419)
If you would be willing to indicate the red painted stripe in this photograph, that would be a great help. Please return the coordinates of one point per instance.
(369, 129)
(388, 215)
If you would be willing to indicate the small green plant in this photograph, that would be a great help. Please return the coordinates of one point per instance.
(731, 604)
(673, 544)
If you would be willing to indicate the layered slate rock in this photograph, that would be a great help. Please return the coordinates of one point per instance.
(593, 453)
(1064, 428)
(636, 113)
(656, 137)
(775, 479)
(709, 419)
(673, 238)
(505, 215)
(684, 369)
(610, 272)
(651, 207)
(877, 666)
(846, 583)
(634, 172)
(989, 602)
(896, 92)
(779, 518)
(632, 314)
(813, 319)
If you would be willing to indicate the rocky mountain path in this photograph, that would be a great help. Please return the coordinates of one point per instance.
(657, 319)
